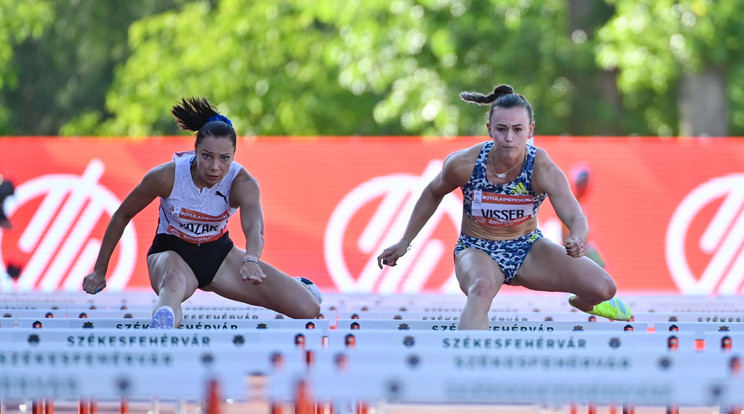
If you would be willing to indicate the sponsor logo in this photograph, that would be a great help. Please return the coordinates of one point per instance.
(519, 189)
(708, 226)
(64, 211)
(373, 216)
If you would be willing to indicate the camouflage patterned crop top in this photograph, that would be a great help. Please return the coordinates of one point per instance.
(501, 205)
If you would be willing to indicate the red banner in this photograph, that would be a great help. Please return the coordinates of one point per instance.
(665, 215)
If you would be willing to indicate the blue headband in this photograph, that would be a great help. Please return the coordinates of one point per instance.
(219, 117)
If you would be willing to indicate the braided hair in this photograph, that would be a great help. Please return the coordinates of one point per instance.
(503, 96)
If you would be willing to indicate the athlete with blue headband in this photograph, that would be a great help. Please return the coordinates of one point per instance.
(199, 191)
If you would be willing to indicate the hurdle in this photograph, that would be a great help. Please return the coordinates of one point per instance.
(647, 378)
(494, 344)
(700, 327)
(311, 362)
(533, 302)
(515, 326)
(142, 323)
(360, 302)
(137, 313)
(556, 341)
(48, 367)
(521, 316)
(84, 339)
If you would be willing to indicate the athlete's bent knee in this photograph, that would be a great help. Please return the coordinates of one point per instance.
(309, 310)
(172, 281)
(483, 288)
(607, 289)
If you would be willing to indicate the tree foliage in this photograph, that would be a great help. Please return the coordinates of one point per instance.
(653, 43)
(308, 67)
(359, 67)
(21, 20)
(63, 57)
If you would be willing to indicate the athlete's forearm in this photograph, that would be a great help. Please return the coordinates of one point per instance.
(254, 240)
(111, 238)
(578, 227)
(425, 207)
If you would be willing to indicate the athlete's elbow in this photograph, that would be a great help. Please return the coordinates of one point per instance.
(121, 217)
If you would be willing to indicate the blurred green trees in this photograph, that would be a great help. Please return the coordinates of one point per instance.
(371, 67)
(679, 62)
(58, 59)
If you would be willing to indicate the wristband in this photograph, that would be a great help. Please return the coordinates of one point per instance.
(406, 242)
(250, 260)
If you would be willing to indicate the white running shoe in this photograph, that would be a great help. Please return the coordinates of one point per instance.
(164, 318)
(311, 287)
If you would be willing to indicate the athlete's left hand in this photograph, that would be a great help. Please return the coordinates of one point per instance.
(252, 272)
(575, 246)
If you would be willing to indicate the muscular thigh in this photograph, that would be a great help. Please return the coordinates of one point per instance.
(228, 283)
(472, 265)
(278, 292)
(548, 268)
(170, 263)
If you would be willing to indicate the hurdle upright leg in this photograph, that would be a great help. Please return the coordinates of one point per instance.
(83, 407)
(37, 406)
(213, 398)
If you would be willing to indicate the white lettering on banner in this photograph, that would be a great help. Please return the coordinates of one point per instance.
(60, 231)
(399, 193)
(722, 238)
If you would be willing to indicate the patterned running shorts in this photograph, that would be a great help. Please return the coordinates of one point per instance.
(508, 254)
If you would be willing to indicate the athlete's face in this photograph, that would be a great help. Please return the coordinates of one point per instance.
(510, 128)
(213, 158)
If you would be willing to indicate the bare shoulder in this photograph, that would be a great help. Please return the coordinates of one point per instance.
(458, 166)
(244, 179)
(244, 189)
(160, 179)
(543, 161)
(545, 174)
(467, 154)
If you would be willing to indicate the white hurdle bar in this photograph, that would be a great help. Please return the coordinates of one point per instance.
(384, 363)
(386, 383)
(516, 326)
(172, 374)
(106, 365)
(138, 313)
(522, 316)
(556, 341)
(144, 323)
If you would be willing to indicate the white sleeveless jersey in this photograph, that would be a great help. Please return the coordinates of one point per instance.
(194, 215)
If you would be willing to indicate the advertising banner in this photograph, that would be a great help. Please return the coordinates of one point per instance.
(666, 215)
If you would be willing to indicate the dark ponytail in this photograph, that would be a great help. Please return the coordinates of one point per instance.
(197, 114)
(503, 96)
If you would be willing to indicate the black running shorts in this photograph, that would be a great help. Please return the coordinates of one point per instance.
(204, 259)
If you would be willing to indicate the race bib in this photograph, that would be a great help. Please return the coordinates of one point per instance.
(501, 209)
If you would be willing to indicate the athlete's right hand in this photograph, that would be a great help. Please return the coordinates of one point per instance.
(252, 272)
(94, 282)
(391, 255)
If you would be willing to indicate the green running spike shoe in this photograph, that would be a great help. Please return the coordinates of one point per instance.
(613, 309)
